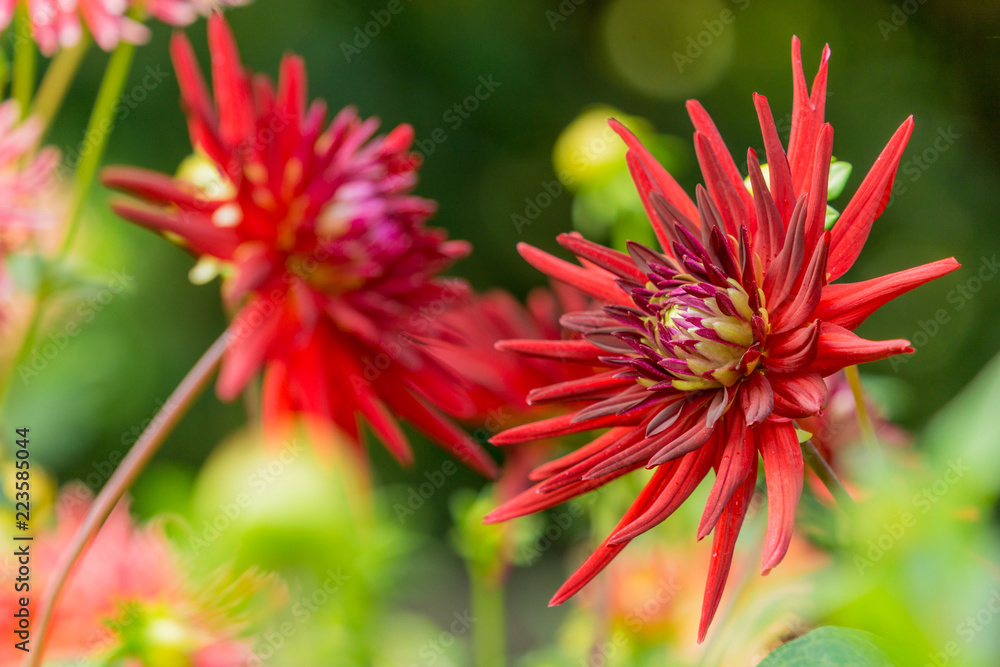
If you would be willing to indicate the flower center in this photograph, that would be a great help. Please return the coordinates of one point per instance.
(706, 337)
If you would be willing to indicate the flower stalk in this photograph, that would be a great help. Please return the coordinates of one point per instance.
(828, 476)
(121, 480)
(56, 82)
(98, 130)
(25, 60)
(861, 408)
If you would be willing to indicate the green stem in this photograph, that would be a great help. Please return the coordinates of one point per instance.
(25, 59)
(27, 343)
(826, 474)
(489, 636)
(4, 72)
(861, 408)
(58, 77)
(98, 130)
(120, 481)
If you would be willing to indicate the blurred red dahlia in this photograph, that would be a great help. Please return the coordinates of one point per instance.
(713, 346)
(323, 248)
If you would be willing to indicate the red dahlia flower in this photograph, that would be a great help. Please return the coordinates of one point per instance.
(713, 346)
(323, 247)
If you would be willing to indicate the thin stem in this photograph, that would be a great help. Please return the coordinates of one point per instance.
(4, 72)
(27, 342)
(826, 474)
(123, 478)
(25, 59)
(98, 130)
(58, 77)
(861, 407)
(489, 638)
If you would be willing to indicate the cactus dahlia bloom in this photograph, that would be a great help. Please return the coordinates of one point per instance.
(715, 344)
(324, 251)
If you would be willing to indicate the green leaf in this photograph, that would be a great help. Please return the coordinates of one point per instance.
(829, 647)
(839, 173)
(831, 216)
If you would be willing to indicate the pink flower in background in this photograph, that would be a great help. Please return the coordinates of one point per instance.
(58, 24)
(836, 431)
(126, 570)
(28, 200)
(185, 12)
(324, 249)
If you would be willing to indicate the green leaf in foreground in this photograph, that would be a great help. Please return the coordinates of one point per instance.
(829, 647)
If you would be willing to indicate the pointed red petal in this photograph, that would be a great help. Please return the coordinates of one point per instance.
(665, 183)
(561, 425)
(851, 230)
(756, 399)
(783, 472)
(575, 390)
(251, 337)
(441, 431)
(690, 471)
(799, 394)
(777, 163)
(596, 284)
(792, 351)
(793, 312)
(731, 207)
(723, 545)
(770, 227)
(202, 237)
(605, 553)
(818, 187)
(553, 468)
(610, 260)
(581, 350)
(839, 348)
(532, 500)
(737, 458)
(706, 127)
(849, 304)
(232, 87)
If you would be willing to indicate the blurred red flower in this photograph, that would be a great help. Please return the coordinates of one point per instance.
(325, 252)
